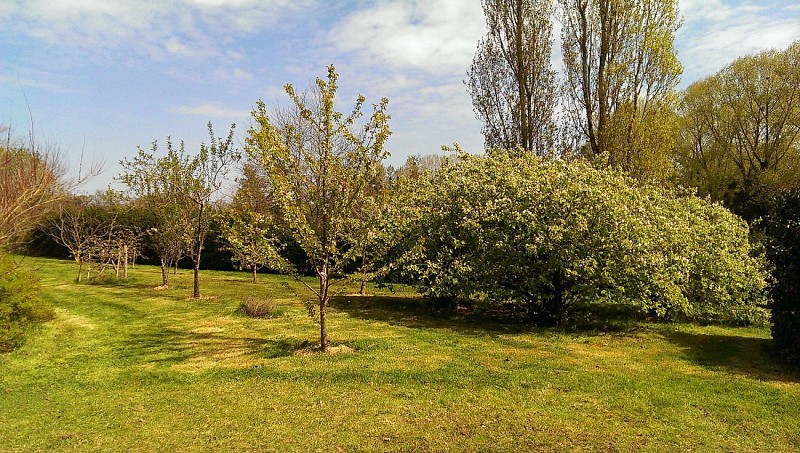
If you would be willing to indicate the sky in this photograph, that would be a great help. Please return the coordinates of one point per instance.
(101, 77)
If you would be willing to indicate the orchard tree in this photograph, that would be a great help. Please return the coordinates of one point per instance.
(82, 227)
(511, 81)
(167, 218)
(320, 164)
(189, 181)
(621, 70)
(251, 238)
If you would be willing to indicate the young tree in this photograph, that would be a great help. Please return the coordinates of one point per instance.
(621, 69)
(190, 182)
(320, 164)
(82, 229)
(168, 222)
(511, 81)
(251, 238)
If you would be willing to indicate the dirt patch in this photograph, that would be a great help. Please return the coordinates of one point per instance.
(338, 349)
(207, 330)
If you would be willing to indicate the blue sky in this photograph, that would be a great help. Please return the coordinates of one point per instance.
(104, 76)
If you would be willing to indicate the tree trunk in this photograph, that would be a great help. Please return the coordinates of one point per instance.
(164, 273)
(80, 270)
(323, 328)
(125, 271)
(119, 262)
(196, 293)
(255, 272)
(363, 289)
(323, 305)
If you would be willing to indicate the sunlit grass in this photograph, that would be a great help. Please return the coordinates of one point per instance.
(132, 367)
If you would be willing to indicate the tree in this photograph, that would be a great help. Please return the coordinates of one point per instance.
(320, 164)
(783, 228)
(83, 228)
(168, 222)
(621, 69)
(740, 139)
(251, 237)
(511, 81)
(190, 182)
(31, 182)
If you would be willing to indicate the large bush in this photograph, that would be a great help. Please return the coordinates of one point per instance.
(783, 245)
(539, 237)
(20, 303)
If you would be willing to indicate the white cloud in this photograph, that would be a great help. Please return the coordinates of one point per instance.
(716, 33)
(157, 29)
(434, 36)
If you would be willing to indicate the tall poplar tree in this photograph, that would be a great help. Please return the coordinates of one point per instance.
(621, 72)
(511, 81)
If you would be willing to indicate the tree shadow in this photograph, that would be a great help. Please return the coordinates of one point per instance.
(419, 313)
(746, 356)
(168, 347)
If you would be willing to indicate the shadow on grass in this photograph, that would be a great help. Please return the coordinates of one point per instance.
(735, 354)
(168, 347)
(418, 313)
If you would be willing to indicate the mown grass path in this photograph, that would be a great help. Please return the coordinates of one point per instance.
(134, 368)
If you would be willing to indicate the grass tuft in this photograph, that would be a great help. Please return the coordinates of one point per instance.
(256, 307)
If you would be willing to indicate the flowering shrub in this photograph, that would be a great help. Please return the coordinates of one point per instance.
(539, 237)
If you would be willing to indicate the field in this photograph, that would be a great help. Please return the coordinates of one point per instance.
(131, 367)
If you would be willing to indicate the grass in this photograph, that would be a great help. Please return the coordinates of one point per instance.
(130, 367)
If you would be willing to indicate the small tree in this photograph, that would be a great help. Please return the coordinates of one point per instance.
(190, 182)
(83, 230)
(166, 218)
(320, 164)
(250, 238)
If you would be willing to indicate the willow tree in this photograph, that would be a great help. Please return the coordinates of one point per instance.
(320, 164)
(740, 130)
(621, 73)
(511, 81)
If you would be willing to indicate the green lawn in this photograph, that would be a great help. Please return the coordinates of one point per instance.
(132, 367)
